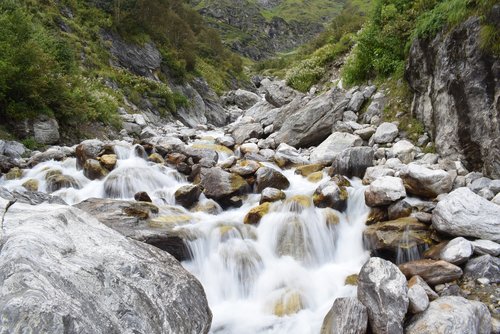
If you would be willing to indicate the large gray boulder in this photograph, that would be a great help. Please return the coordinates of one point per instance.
(456, 94)
(457, 251)
(383, 290)
(463, 213)
(386, 133)
(246, 131)
(62, 271)
(353, 161)
(270, 177)
(278, 93)
(452, 315)
(347, 316)
(46, 130)
(220, 185)
(384, 191)
(332, 146)
(425, 182)
(243, 98)
(312, 123)
(485, 266)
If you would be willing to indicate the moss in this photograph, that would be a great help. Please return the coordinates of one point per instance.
(351, 280)
(31, 185)
(290, 303)
(255, 215)
(14, 173)
(315, 177)
(307, 170)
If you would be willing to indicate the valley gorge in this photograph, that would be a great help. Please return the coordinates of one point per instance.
(222, 204)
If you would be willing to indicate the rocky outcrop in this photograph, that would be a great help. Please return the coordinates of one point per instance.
(79, 276)
(456, 94)
(347, 316)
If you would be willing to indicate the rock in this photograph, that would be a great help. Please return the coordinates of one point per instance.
(455, 94)
(398, 237)
(353, 161)
(384, 190)
(350, 116)
(347, 316)
(452, 315)
(31, 185)
(288, 155)
(93, 170)
(14, 174)
(386, 133)
(485, 266)
(245, 167)
(463, 213)
(108, 161)
(307, 170)
(30, 197)
(310, 124)
(13, 149)
(221, 185)
(365, 133)
(271, 195)
(495, 199)
(457, 251)
(208, 206)
(478, 184)
(417, 280)
(373, 173)
(88, 149)
(404, 151)
(278, 93)
(245, 99)
(433, 272)
(57, 181)
(46, 130)
(425, 182)
(289, 303)
(156, 158)
(142, 196)
(255, 214)
(270, 177)
(249, 148)
(383, 291)
(356, 101)
(81, 299)
(400, 209)
(331, 147)
(227, 141)
(7, 164)
(483, 247)
(330, 195)
(247, 131)
(418, 299)
(187, 195)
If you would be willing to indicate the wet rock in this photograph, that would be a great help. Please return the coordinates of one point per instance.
(152, 281)
(425, 182)
(289, 303)
(270, 177)
(255, 214)
(93, 170)
(288, 155)
(398, 237)
(384, 190)
(386, 133)
(457, 251)
(315, 177)
(156, 158)
(200, 151)
(208, 206)
(307, 170)
(400, 209)
(56, 182)
(108, 161)
(417, 280)
(88, 149)
(247, 131)
(433, 272)
(227, 141)
(14, 173)
(271, 195)
(353, 161)
(142, 196)
(330, 195)
(332, 146)
(245, 167)
(347, 316)
(291, 238)
(383, 291)
(418, 299)
(485, 266)
(463, 213)
(483, 247)
(31, 185)
(187, 195)
(221, 185)
(452, 315)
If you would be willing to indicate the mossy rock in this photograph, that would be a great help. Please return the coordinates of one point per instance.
(31, 185)
(108, 161)
(14, 174)
(255, 215)
(331, 217)
(290, 303)
(298, 203)
(351, 280)
(212, 147)
(307, 170)
(315, 177)
(341, 181)
(156, 158)
(52, 172)
(376, 215)
(169, 220)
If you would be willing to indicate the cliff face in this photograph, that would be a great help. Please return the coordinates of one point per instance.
(456, 87)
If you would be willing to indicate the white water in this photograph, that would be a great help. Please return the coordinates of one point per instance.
(249, 273)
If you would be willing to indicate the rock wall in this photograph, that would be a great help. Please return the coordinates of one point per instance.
(456, 89)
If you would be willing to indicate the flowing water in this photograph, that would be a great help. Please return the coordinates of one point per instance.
(281, 276)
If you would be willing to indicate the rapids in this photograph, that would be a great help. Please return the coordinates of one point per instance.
(281, 276)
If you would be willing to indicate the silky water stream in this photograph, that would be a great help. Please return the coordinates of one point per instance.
(280, 276)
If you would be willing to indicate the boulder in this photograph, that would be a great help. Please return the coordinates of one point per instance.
(330, 195)
(457, 251)
(347, 316)
(332, 146)
(483, 247)
(14, 174)
(142, 196)
(278, 93)
(353, 161)
(54, 299)
(404, 151)
(386, 133)
(485, 266)
(356, 101)
(271, 195)
(307, 170)
(365, 133)
(227, 141)
(425, 182)
(419, 301)
(463, 213)
(270, 177)
(255, 214)
(433, 272)
(208, 206)
(417, 280)
(384, 191)
(13, 149)
(93, 170)
(288, 155)
(245, 167)
(108, 161)
(221, 185)
(88, 149)
(187, 195)
(246, 131)
(46, 130)
(373, 173)
(383, 290)
(31, 185)
(452, 315)
(59, 181)
(245, 99)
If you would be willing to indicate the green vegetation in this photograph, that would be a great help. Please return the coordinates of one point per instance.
(54, 60)
(383, 44)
